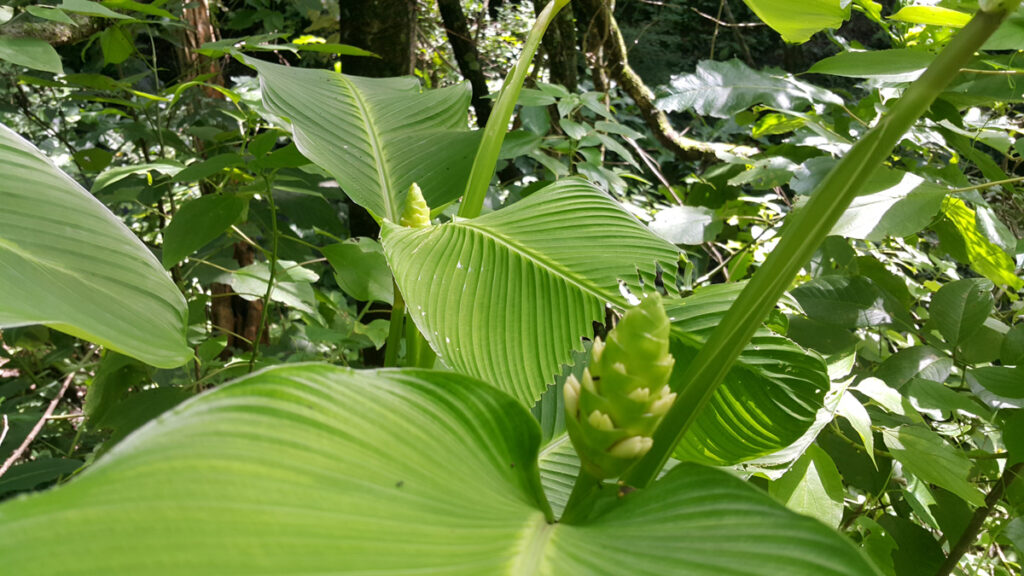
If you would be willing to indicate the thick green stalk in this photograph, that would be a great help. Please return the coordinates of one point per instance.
(806, 229)
(497, 124)
(394, 340)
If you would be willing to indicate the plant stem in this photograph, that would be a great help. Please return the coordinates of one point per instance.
(806, 229)
(988, 184)
(265, 313)
(497, 124)
(580, 503)
(970, 533)
(395, 329)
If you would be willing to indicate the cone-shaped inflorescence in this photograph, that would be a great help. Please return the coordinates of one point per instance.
(416, 213)
(612, 413)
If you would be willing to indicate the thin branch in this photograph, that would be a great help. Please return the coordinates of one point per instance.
(17, 454)
(728, 24)
(6, 429)
(653, 167)
(988, 184)
(974, 527)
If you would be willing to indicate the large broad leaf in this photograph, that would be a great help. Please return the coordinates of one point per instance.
(508, 296)
(768, 400)
(67, 262)
(316, 469)
(798, 20)
(722, 89)
(376, 136)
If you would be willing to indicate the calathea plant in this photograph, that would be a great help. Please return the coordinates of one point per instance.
(317, 469)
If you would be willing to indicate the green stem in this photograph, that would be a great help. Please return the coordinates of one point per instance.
(497, 124)
(988, 184)
(806, 229)
(418, 351)
(265, 314)
(581, 500)
(395, 330)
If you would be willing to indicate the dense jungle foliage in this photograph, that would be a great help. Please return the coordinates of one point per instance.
(509, 287)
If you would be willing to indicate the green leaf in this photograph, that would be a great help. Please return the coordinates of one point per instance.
(114, 376)
(846, 301)
(812, 487)
(206, 168)
(896, 65)
(932, 15)
(691, 225)
(722, 89)
(292, 284)
(114, 175)
(917, 551)
(983, 346)
(116, 45)
(1012, 427)
(959, 309)
(894, 203)
(197, 223)
(30, 53)
(148, 9)
(48, 13)
(1005, 381)
(90, 8)
(361, 269)
(926, 455)
(985, 257)
(559, 467)
(1010, 35)
(536, 275)
(770, 396)
(798, 21)
(376, 136)
(389, 472)
(93, 159)
(937, 401)
(331, 48)
(28, 475)
(916, 362)
(1012, 352)
(67, 262)
(858, 417)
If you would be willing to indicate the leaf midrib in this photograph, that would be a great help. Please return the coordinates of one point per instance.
(374, 138)
(537, 535)
(537, 258)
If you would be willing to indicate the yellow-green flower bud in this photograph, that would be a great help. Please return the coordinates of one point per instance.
(613, 410)
(416, 213)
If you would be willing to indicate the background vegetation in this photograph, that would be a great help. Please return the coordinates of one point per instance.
(695, 117)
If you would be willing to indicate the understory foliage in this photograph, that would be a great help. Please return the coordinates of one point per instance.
(762, 315)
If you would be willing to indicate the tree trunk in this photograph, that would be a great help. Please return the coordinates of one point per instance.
(386, 28)
(199, 31)
(467, 56)
(54, 33)
(560, 46)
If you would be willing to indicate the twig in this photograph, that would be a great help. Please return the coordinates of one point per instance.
(16, 455)
(3, 434)
(987, 185)
(653, 167)
(970, 533)
(727, 24)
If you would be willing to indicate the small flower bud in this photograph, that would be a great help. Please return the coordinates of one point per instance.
(599, 421)
(632, 447)
(416, 213)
